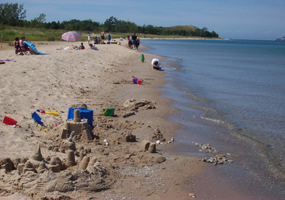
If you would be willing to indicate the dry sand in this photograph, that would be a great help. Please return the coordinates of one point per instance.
(75, 78)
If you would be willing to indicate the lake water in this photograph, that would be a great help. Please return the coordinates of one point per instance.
(231, 94)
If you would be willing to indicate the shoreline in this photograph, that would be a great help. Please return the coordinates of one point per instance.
(211, 176)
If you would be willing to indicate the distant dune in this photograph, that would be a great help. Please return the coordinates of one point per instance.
(280, 39)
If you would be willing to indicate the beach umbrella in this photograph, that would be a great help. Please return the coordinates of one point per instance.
(71, 36)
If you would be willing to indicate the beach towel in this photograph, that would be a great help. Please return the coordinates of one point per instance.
(32, 46)
(8, 60)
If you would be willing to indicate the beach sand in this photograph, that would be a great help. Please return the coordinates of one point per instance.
(76, 78)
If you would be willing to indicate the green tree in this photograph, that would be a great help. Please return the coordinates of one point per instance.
(11, 14)
(110, 23)
(39, 21)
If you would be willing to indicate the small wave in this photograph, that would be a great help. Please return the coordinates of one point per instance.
(218, 121)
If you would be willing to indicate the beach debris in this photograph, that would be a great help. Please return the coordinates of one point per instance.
(206, 148)
(106, 142)
(42, 111)
(192, 195)
(157, 141)
(215, 159)
(9, 121)
(157, 135)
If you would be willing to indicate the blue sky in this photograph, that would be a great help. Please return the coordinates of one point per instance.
(237, 19)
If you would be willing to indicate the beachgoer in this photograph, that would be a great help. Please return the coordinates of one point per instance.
(68, 48)
(81, 46)
(16, 45)
(89, 39)
(92, 47)
(134, 38)
(130, 43)
(102, 35)
(96, 40)
(155, 64)
(23, 47)
(128, 37)
(109, 38)
(138, 43)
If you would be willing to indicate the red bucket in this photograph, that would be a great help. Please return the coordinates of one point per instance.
(9, 121)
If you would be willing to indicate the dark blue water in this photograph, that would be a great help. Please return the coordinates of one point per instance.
(235, 84)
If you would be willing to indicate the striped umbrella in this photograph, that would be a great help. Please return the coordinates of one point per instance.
(71, 36)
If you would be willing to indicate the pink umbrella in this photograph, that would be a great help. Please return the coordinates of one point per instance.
(71, 36)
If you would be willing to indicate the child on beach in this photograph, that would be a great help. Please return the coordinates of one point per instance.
(89, 39)
(92, 47)
(81, 46)
(16, 44)
(155, 64)
(109, 38)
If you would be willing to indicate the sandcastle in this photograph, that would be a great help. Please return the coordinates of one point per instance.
(79, 126)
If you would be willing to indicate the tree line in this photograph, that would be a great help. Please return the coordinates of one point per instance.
(15, 14)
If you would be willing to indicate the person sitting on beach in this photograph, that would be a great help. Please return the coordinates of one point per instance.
(16, 45)
(130, 43)
(68, 48)
(155, 64)
(23, 47)
(96, 40)
(81, 46)
(92, 47)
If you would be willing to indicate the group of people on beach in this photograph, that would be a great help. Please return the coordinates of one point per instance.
(81, 47)
(101, 39)
(133, 41)
(21, 46)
